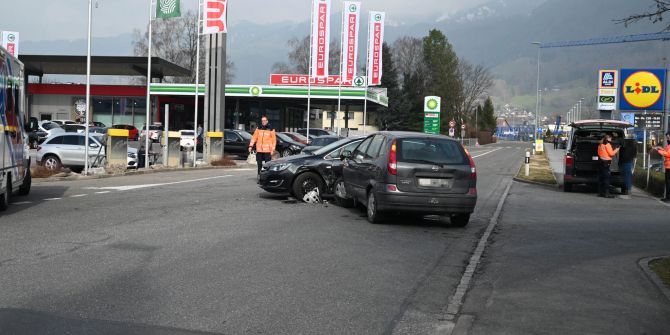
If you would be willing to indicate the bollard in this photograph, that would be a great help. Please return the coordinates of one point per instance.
(527, 163)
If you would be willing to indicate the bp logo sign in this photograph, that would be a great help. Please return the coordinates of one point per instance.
(255, 91)
(642, 89)
(432, 104)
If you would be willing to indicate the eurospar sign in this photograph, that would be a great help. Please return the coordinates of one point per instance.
(642, 89)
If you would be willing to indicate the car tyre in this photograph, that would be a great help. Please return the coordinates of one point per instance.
(4, 198)
(342, 199)
(286, 153)
(25, 186)
(373, 214)
(567, 187)
(306, 182)
(52, 163)
(460, 220)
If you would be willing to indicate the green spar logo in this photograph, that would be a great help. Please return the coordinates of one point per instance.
(167, 6)
(378, 17)
(11, 38)
(353, 8)
(255, 91)
(432, 104)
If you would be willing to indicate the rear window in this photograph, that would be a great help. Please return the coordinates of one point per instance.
(245, 135)
(323, 141)
(431, 151)
(50, 125)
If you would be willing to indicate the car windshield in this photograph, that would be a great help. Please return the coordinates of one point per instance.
(430, 151)
(299, 136)
(332, 146)
(50, 125)
(284, 138)
(245, 135)
(322, 141)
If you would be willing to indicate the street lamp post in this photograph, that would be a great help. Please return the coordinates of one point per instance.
(579, 114)
(88, 87)
(537, 103)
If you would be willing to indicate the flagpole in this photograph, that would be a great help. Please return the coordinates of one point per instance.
(342, 47)
(367, 79)
(148, 106)
(309, 70)
(88, 87)
(197, 87)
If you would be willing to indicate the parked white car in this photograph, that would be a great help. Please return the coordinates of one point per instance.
(51, 128)
(155, 132)
(67, 150)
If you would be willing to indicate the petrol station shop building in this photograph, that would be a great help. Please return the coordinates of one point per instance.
(285, 106)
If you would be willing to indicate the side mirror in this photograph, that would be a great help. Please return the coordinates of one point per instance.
(93, 145)
(346, 154)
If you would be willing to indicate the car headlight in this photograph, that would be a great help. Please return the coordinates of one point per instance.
(295, 148)
(279, 167)
(132, 155)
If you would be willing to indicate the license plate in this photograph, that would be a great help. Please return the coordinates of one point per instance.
(434, 182)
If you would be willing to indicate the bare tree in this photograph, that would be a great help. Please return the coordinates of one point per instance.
(408, 55)
(655, 16)
(475, 81)
(298, 57)
(175, 40)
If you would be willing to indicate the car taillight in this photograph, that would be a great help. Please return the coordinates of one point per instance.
(393, 160)
(569, 161)
(473, 169)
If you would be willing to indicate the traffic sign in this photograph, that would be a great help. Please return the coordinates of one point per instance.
(463, 126)
(452, 132)
(452, 124)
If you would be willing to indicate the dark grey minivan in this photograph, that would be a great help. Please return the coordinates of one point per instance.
(411, 172)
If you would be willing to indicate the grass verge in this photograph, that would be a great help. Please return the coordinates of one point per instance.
(662, 269)
(540, 171)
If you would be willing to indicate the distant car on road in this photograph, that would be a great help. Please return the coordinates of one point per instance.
(320, 142)
(133, 133)
(411, 172)
(581, 157)
(300, 174)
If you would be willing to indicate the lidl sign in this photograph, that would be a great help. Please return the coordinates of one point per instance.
(642, 89)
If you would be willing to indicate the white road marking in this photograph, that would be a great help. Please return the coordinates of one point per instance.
(22, 203)
(103, 192)
(486, 153)
(456, 301)
(78, 195)
(52, 199)
(136, 187)
(239, 170)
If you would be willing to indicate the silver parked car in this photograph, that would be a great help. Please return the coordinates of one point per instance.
(51, 128)
(68, 150)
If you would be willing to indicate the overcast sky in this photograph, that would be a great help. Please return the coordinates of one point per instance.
(38, 20)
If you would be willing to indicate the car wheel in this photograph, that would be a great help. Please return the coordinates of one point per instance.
(374, 216)
(27, 182)
(306, 182)
(286, 153)
(341, 197)
(4, 198)
(567, 187)
(51, 163)
(460, 220)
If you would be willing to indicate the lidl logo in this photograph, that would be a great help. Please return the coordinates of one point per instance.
(642, 89)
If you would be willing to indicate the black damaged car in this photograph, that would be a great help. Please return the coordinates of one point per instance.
(300, 174)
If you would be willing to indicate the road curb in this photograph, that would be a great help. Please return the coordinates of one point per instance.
(644, 265)
(137, 173)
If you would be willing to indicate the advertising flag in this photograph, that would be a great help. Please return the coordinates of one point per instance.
(350, 26)
(376, 39)
(166, 9)
(320, 37)
(10, 41)
(214, 17)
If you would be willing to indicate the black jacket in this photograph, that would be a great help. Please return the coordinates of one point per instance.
(628, 152)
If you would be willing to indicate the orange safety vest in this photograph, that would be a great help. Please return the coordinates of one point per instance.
(665, 152)
(605, 152)
(265, 140)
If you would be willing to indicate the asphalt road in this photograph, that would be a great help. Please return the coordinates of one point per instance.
(208, 251)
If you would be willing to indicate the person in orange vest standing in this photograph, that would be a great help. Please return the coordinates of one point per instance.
(665, 152)
(605, 155)
(265, 140)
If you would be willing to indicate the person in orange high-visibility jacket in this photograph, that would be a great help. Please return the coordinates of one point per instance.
(265, 140)
(665, 152)
(605, 155)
